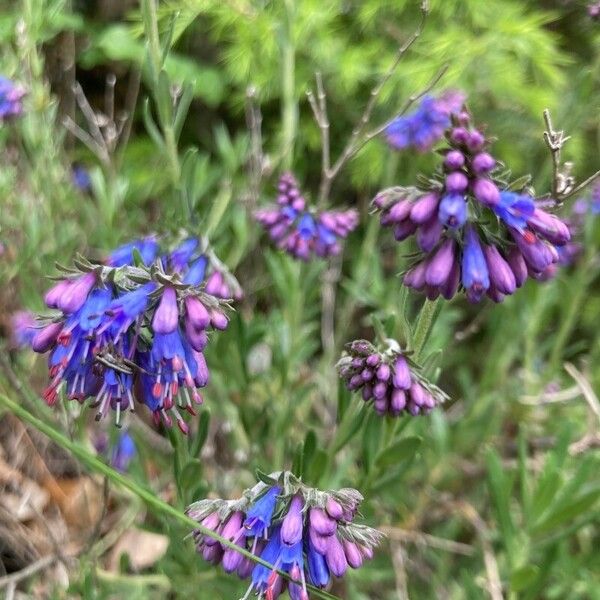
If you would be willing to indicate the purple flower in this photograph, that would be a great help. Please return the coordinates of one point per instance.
(395, 388)
(465, 198)
(11, 96)
(475, 276)
(23, 328)
(425, 126)
(288, 543)
(453, 210)
(81, 178)
(127, 333)
(123, 452)
(258, 517)
(304, 233)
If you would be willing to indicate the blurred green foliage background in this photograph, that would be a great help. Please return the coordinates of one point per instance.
(503, 469)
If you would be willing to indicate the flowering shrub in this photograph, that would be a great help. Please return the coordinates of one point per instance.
(490, 493)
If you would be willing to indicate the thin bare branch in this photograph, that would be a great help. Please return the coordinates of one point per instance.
(414, 98)
(28, 571)
(83, 136)
(425, 539)
(582, 185)
(357, 140)
(254, 124)
(585, 387)
(489, 558)
(89, 114)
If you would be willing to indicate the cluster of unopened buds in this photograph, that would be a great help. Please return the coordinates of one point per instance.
(469, 233)
(135, 327)
(11, 99)
(307, 533)
(389, 378)
(301, 232)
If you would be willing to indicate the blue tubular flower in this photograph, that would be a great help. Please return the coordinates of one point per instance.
(475, 276)
(307, 228)
(261, 575)
(11, 96)
(318, 571)
(123, 255)
(258, 517)
(123, 452)
(301, 232)
(81, 178)
(197, 271)
(453, 210)
(123, 312)
(181, 256)
(23, 328)
(426, 125)
(514, 209)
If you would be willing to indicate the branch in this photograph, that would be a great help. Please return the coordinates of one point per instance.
(355, 142)
(254, 124)
(319, 108)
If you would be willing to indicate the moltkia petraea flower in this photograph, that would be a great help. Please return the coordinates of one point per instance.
(11, 99)
(301, 232)
(471, 234)
(305, 532)
(127, 332)
(425, 126)
(389, 379)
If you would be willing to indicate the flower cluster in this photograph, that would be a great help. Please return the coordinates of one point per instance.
(388, 378)
(468, 231)
(130, 331)
(425, 126)
(593, 10)
(307, 533)
(302, 232)
(11, 96)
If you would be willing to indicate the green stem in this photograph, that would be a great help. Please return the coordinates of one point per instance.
(144, 494)
(426, 319)
(289, 114)
(155, 53)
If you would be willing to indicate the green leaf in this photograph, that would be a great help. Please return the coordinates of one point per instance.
(523, 577)
(400, 450)
(371, 439)
(349, 427)
(500, 487)
(262, 476)
(151, 127)
(200, 438)
(568, 512)
(308, 451)
(164, 99)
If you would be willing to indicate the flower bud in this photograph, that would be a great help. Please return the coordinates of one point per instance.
(486, 191)
(482, 163)
(454, 160)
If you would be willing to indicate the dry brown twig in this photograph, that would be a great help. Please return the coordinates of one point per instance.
(489, 558)
(563, 183)
(425, 539)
